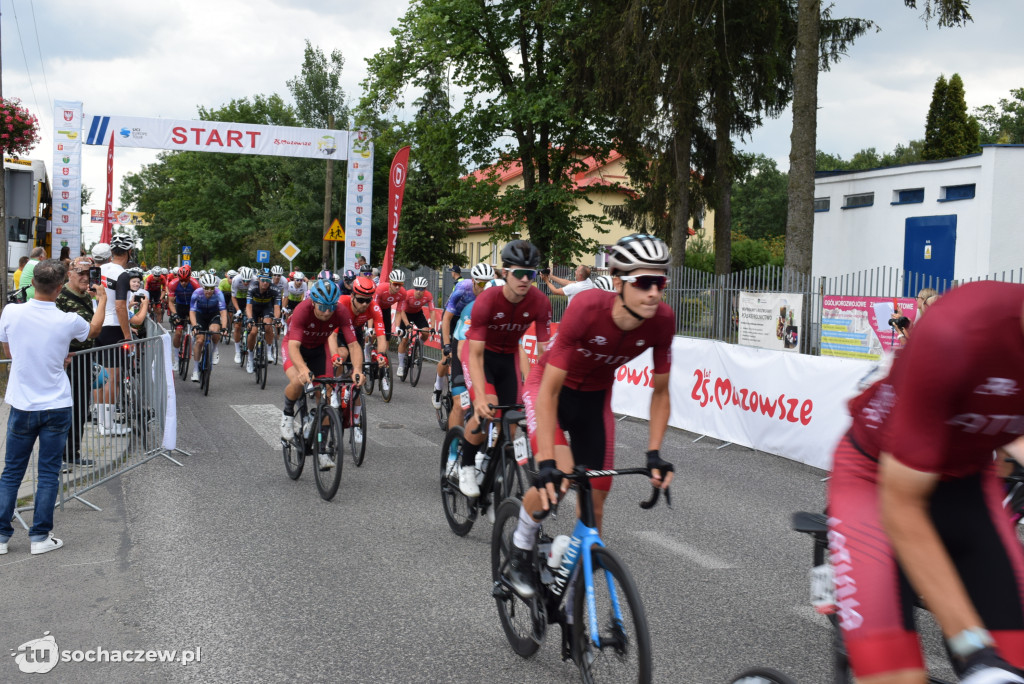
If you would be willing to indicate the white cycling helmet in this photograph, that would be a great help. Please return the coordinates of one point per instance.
(604, 283)
(638, 251)
(419, 282)
(276, 270)
(246, 273)
(497, 282)
(231, 274)
(208, 280)
(336, 277)
(482, 272)
(298, 275)
(397, 276)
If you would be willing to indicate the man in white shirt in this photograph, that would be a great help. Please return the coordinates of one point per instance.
(569, 288)
(36, 337)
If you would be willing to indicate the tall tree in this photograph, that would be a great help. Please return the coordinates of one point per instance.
(759, 198)
(933, 123)
(1005, 125)
(949, 132)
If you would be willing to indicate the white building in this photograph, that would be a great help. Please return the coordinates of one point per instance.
(954, 219)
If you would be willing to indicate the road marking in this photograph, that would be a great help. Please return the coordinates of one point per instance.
(705, 560)
(265, 419)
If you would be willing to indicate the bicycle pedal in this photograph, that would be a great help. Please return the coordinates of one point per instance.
(501, 591)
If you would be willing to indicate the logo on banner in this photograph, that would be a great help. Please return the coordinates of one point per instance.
(64, 194)
(69, 115)
(66, 183)
(125, 133)
(327, 145)
(360, 176)
(723, 394)
(398, 175)
(64, 206)
(359, 220)
(359, 198)
(66, 160)
(359, 188)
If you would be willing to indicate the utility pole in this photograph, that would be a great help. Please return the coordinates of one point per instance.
(327, 198)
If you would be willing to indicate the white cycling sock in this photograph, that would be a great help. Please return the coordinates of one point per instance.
(526, 531)
(238, 347)
(401, 359)
(437, 383)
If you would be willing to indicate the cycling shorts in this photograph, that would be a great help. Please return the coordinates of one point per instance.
(182, 311)
(290, 304)
(875, 601)
(261, 311)
(315, 357)
(205, 320)
(502, 375)
(416, 319)
(592, 446)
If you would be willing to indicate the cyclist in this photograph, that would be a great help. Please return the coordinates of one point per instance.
(307, 345)
(208, 311)
(297, 290)
(570, 388)
(179, 291)
(138, 302)
(225, 287)
(346, 282)
(363, 310)
(462, 297)
(415, 300)
(501, 316)
(392, 293)
(155, 284)
(914, 495)
(262, 304)
(277, 278)
(239, 297)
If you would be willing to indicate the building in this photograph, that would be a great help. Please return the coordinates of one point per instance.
(952, 219)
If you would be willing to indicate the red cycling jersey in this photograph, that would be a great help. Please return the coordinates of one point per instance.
(500, 324)
(305, 328)
(155, 282)
(386, 298)
(372, 311)
(415, 301)
(590, 347)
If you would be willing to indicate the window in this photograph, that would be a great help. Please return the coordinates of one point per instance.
(952, 193)
(822, 203)
(912, 196)
(865, 199)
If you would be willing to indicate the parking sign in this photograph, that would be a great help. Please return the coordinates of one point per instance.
(262, 256)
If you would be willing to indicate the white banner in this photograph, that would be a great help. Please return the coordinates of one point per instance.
(770, 320)
(171, 412)
(66, 222)
(791, 405)
(358, 199)
(217, 136)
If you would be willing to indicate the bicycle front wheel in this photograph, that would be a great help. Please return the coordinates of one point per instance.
(185, 355)
(260, 362)
(294, 454)
(387, 386)
(619, 649)
(508, 482)
(328, 453)
(357, 447)
(415, 363)
(207, 368)
(446, 407)
(458, 510)
(518, 617)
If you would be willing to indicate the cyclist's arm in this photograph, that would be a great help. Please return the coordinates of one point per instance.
(446, 321)
(140, 317)
(904, 497)
(248, 309)
(355, 355)
(479, 378)
(661, 407)
(223, 310)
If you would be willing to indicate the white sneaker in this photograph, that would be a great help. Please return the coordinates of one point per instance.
(325, 462)
(400, 372)
(51, 543)
(248, 365)
(467, 482)
(270, 353)
(238, 357)
(287, 426)
(3, 548)
(195, 375)
(490, 513)
(357, 434)
(216, 356)
(435, 399)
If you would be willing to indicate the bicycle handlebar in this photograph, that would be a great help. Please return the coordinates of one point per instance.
(497, 407)
(580, 473)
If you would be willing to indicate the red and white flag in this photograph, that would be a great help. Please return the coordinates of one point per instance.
(396, 191)
(108, 208)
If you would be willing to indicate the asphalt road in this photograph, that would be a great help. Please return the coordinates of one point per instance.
(228, 555)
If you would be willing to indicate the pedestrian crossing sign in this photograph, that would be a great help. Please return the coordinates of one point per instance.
(335, 232)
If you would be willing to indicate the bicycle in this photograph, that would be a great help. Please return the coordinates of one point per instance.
(622, 645)
(347, 405)
(205, 362)
(378, 369)
(259, 356)
(308, 440)
(497, 469)
(446, 397)
(414, 361)
(129, 408)
(279, 329)
(185, 350)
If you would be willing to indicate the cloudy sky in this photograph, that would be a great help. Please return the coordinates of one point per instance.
(160, 58)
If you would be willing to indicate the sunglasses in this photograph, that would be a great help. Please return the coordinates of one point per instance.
(521, 273)
(419, 289)
(363, 300)
(325, 308)
(209, 289)
(644, 282)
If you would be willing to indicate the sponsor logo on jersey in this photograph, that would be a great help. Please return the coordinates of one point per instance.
(998, 387)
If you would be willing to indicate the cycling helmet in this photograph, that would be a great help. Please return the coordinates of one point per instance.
(200, 274)
(276, 270)
(208, 280)
(482, 272)
(350, 275)
(325, 293)
(265, 275)
(335, 278)
(638, 251)
(497, 282)
(101, 251)
(419, 282)
(324, 275)
(184, 273)
(604, 283)
(134, 272)
(366, 270)
(397, 276)
(298, 276)
(246, 273)
(122, 242)
(520, 253)
(212, 271)
(231, 274)
(363, 285)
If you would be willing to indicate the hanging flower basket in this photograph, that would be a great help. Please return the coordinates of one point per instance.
(19, 129)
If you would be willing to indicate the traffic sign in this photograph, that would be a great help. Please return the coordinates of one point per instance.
(185, 261)
(290, 251)
(262, 256)
(186, 250)
(335, 233)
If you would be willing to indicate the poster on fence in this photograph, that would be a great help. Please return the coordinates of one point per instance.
(858, 327)
(770, 320)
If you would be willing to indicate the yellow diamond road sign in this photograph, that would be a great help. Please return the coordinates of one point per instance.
(335, 232)
(290, 251)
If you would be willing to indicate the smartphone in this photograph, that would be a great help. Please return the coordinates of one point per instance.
(94, 275)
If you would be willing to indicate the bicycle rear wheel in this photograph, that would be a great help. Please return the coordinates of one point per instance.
(204, 379)
(517, 615)
(446, 407)
(294, 453)
(387, 386)
(371, 376)
(415, 363)
(620, 651)
(762, 675)
(508, 482)
(328, 442)
(357, 449)
(184, 355)
(260, 362)
(458, 510)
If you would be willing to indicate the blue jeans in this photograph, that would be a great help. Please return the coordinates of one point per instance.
(23, 427)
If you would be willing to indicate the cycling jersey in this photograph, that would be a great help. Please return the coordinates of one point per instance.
(263, 298)
(372, 311)
(240, 288)
(386, 298)
(204, 305)
(310, 331)
(500, 324)
(225, 287)
(462, 295)
(297, 294)
(154, 283)
(416, 301)
(118, 284)
(463, 323)
(181, 292)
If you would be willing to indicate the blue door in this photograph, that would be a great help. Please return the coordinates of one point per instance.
(928, 252)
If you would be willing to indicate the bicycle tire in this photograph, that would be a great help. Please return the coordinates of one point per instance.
(185, 355)
(627, 657)
(458, 509)
(515, 614)
(415, 367)
(508, 481)
(762, 675)
(327, 481)
(387, 383)
(446, 407)
(207, 371)
(358, 451)
(293, 451)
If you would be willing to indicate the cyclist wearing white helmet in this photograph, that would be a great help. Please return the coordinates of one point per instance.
(207, 310)
(605, 283)
(224, 285)
(462, 296)
(156, 285)
(116, 323)
(415, 301)
(296, 291)
(393, 294)
(277, 277)
(239, 297)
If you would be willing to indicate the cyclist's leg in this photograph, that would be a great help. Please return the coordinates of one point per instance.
(182, 311)
(197, 346)
(292, 393)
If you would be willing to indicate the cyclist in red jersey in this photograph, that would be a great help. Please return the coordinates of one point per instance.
(392, 294)
(914, 496)
(416, 300)
(570, 388)
(363, 309)
(501, 316)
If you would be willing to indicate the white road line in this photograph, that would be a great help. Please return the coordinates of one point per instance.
(265, 419)
(705, 560)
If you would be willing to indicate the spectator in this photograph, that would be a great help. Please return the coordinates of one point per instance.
(34, 257)
(116, 326)
(36, 337)
(65, 256)
(77, 297)
(901, 324)
(17, 274)
(570, 288)
(101, 253)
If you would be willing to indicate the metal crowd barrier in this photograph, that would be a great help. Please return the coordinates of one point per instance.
(121, 396)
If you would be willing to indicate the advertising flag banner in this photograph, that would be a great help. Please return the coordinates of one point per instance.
(358, 199)
(122, 218)
(396, 191)
(108, 208)
(66, 221)
(770, 320)
(858, 327)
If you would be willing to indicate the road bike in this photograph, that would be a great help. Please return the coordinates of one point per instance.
(346, 405)
(130, 408)
(609, 639)
(414, 361)
(446, 397)
(205, 363)
(377, 369)
(311, 440)
(259, 355)
(185, 350)
(498, 468)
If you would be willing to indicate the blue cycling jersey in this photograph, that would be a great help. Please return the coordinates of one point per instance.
(202, 304)
(464, 323)
(461, 296)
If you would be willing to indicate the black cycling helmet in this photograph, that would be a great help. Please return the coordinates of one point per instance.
(520, 253)
(350, 275)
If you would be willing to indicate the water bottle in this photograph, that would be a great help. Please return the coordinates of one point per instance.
(492, 436)
(558, 546)
(481, 465)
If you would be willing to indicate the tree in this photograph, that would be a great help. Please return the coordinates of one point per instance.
(949, 132)
(949, 13)
(759, 198)
(1005, 125)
